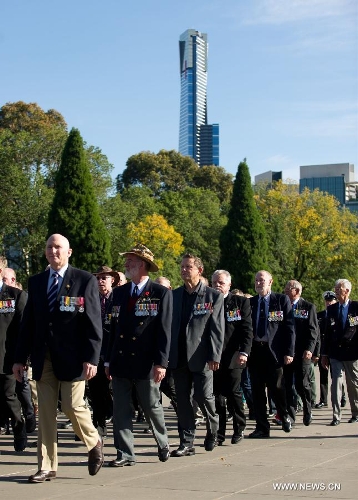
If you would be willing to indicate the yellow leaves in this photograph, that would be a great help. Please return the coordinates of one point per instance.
(159, 236)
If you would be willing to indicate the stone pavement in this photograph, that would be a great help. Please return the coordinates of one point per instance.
(318, 461)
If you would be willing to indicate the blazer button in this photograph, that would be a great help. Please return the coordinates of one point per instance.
(133, 353)
(121, 336)
(50, 324)
(141, 323)
(120, 352)
(134, 338)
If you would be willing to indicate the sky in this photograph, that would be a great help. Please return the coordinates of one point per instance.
(282, 75)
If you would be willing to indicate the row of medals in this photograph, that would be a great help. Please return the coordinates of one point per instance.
(202, 308)
(7, 306)
(70, 303)
(146, 309)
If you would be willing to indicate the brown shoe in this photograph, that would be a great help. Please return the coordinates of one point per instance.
(42, 475)
(95, 458)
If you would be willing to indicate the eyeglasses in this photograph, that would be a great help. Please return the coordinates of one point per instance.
(102, 278)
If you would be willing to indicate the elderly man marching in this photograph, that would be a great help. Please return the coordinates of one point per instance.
(340, 349)
(138, 353)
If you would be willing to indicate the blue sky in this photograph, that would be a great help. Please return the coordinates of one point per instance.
(282, 77)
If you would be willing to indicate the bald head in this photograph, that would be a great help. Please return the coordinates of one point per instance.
(9, 276)
(57, 251)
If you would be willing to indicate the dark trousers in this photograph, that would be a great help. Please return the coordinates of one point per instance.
(266, 372)
(23, 391)
(227, 385)
(184, 380)
(297, 376)
(323, 383)
(10, 406)
(101, 399)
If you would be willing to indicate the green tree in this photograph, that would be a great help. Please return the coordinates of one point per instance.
(74, 212)
(243, 241)
(196, 214)
(311, 239)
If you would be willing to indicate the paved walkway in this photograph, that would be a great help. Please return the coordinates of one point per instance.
(318, 461)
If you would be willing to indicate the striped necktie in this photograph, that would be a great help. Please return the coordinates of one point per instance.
(52, 293)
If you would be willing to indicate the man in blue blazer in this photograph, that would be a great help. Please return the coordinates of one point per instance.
(272, 348)
(61, 333)
(138, 353)
(198, 330)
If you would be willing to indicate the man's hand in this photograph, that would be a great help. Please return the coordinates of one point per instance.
(307, 355)
(241, 360)
(18, 370)
(288, 360)
(158, 373)
(325, 362)
(106, 369)
(89, 370)
(213, 365)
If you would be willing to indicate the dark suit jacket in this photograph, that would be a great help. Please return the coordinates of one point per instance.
(71, 337)
(306, 327)
(281, 334)
(137, 343)
(322, 318)
(238, 333)
(9, 325)
(204, 332)
(341, 342)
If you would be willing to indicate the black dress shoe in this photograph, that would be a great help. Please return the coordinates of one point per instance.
(343, 402)
(335, 422)
(42, 475)
(307, 419)
(320, 405)
(183, 451)
(95, 458)
(353, 420)
(164, 454)
(257, 434)
(120, 462)
(210, 441)
(286, 424)
(220, 439)
(236, 438)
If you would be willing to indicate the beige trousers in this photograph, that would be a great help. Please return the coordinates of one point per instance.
(72, 404)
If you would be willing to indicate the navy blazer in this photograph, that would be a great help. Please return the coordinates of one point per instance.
(340, 342)
(71, 337)
(138, 342)
(204, 332)
(281, 334)
(306, 327)
(238, 330)
(10, 324)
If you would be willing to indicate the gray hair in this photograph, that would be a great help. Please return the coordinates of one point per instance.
(343, 282)
(295, 284)
(221, 271)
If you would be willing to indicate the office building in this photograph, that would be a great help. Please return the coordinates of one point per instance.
(335, 178)
(268, 177)
(197, 138)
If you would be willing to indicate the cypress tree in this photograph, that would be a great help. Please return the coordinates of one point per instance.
(74, 212)
(243, 241)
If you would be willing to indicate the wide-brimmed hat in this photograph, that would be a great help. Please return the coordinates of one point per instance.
(108, 270)
(143, 253)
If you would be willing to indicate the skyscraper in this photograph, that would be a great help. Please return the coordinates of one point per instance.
(196, 138)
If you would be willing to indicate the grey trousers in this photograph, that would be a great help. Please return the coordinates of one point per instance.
(350, 368)
(149, 399)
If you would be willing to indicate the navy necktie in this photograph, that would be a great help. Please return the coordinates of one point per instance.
(53, 291)
(340, 317)
(261, 326)
(135, 292)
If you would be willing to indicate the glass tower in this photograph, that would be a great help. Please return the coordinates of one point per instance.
(197, 139)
